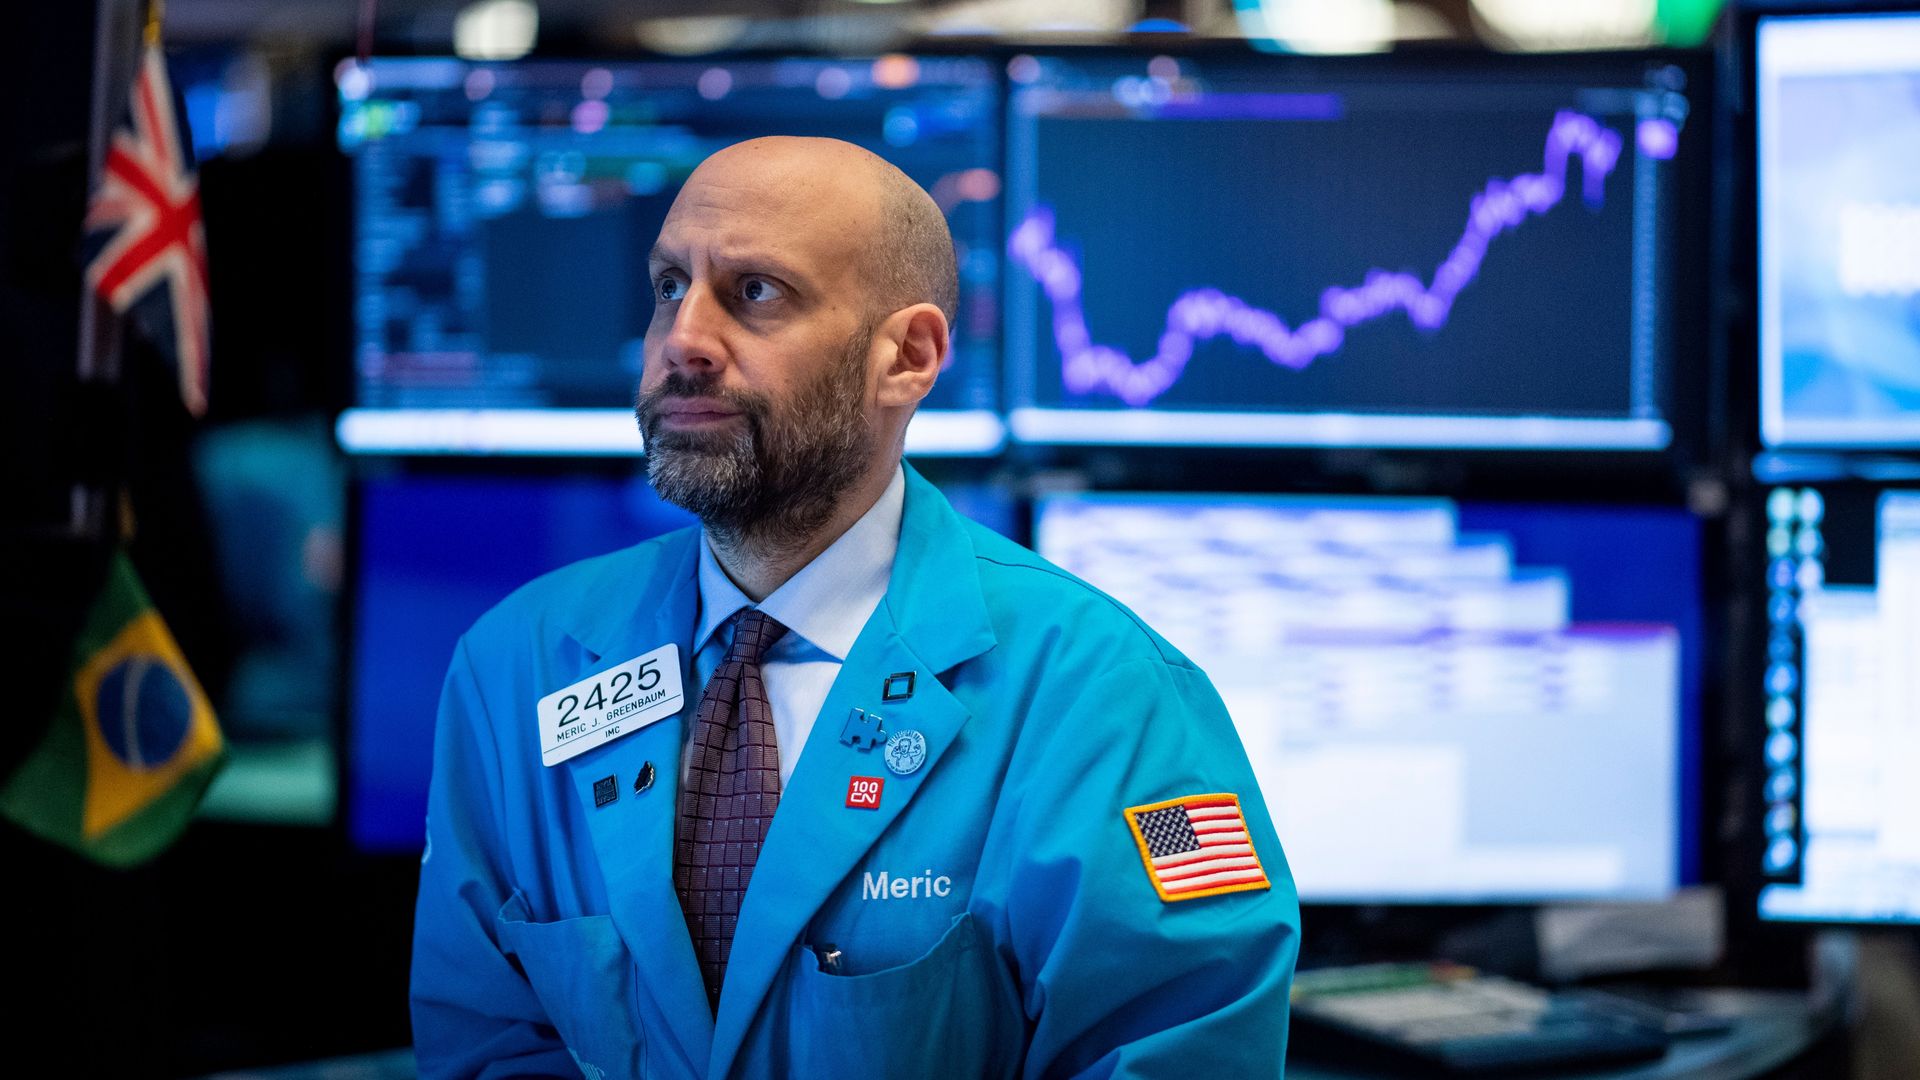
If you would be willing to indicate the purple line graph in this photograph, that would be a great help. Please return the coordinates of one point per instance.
(1201, 314)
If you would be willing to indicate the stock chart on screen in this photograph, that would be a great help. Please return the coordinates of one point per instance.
(1442, 702)
(504, 212)
(1205, 252)
(1837, 129)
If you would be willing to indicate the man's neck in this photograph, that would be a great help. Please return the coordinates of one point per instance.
(759, 565)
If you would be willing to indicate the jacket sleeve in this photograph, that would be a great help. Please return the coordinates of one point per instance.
(474, 1013)
(1118, 982)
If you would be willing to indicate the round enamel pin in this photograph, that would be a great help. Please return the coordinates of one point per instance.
(906, 751)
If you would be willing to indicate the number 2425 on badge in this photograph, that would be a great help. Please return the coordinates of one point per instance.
(609, 704)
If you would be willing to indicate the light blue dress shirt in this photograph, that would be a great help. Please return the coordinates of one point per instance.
(824, 607)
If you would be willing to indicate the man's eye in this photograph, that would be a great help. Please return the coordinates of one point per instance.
(668, 288)
(759, 290)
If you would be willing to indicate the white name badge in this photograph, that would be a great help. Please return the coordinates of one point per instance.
(609, 704)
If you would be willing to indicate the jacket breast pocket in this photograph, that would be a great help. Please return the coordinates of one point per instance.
(953, 1012)
(583, 975)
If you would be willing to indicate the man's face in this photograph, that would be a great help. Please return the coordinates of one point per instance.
(754, 400)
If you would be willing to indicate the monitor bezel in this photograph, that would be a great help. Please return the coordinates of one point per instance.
(1695, 793)
(609, 433)
(1768, 948)
(1691, 350)
(1746, 878)
(1757, 390)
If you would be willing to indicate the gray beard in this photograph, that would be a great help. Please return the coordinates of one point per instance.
(776, 480)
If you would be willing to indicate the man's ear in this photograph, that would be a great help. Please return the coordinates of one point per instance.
(920, 340)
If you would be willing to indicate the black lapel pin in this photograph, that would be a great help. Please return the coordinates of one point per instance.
(898, 687)
(644, 780)
(605, 791)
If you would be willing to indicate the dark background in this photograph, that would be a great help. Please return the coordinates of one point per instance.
(258, 942)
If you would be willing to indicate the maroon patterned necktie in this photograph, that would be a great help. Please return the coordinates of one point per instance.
(731, 792)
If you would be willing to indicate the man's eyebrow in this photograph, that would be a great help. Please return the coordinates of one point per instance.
(735, 261)
(760, 263)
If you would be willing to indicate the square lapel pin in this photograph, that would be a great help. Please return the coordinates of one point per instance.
(897, 687)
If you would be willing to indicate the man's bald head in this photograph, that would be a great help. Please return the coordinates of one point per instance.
(899, 234)
(913, 257)
(804, 293)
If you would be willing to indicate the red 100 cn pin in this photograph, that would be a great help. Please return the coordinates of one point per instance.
(863, 792)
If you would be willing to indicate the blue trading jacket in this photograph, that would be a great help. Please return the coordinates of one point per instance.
(995, 916)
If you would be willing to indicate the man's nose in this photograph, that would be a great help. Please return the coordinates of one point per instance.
(694, 342)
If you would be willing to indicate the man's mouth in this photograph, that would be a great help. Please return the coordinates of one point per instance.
(695, 414)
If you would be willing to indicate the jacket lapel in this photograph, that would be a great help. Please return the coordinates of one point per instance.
(933, 618)
(633, 836)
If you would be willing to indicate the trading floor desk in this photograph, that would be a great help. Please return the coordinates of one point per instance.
(1774, 1034)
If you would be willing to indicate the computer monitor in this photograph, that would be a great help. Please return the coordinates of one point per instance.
(1442, 702)
(503, 214)
(1842, 704)
(1216, 251)
(1837, 117)
(430, 553)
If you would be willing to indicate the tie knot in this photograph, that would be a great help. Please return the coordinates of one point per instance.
(754, 632)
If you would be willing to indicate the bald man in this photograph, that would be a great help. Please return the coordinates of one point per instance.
(839, 784)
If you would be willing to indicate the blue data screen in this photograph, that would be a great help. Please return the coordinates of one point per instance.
(1842, 734)
(1839, 192)
(504, 214)
(1219, 253)
(433, 554)
(1442, 702)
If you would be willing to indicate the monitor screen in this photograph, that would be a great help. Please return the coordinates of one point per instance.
(1226, 252)
(1842, 683)
(1442, 702)
(503, 215)
(432, 553)
(1837, 122)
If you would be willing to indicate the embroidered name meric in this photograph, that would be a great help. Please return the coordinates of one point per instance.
(886, 886)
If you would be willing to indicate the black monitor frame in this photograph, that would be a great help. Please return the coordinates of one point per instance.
(1692, 356)
(1741, 210)
(495, 434)
(1761, 950)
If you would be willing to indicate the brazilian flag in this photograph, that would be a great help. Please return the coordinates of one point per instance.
(134, 744)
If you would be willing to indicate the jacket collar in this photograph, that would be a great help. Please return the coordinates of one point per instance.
(611, 621)
(934, 595)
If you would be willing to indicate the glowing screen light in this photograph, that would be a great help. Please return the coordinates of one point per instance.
(496, 29)
(1205, 313)
(1838, 121)
(1203, 254)
(504, 214)
(1319, 26)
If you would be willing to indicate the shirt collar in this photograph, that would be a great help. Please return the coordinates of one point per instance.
(830, 600)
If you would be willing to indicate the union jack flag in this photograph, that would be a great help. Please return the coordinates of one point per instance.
(146, 217)
(1196, 845)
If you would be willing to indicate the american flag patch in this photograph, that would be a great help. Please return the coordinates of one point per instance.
(1196, 846)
